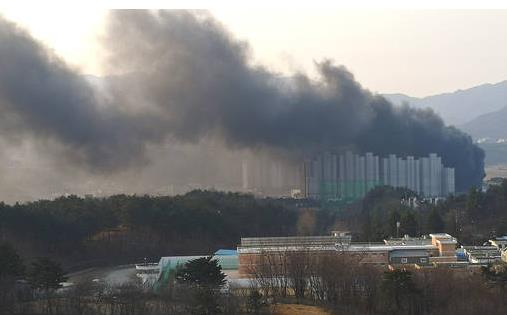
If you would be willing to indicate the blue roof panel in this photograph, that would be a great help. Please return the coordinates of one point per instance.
(225, 252)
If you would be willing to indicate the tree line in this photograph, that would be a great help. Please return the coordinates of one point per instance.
(472, 217)
(125, 228)
(80, 232)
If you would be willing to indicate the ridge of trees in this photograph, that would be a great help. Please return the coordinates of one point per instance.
(473, 217)
(124, 228)
(81, 232)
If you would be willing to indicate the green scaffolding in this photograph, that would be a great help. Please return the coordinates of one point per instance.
(228, 260)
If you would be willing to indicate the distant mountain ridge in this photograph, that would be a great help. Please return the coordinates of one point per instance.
(462, 106)
(491, 125)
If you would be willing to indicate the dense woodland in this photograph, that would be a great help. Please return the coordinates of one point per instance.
(124, 228)
(473, 217)
(119, 229)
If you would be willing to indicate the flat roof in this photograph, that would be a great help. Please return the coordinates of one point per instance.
(440, 235)
(294, 248)
(384, 247)
(225, 252)
(292, 241)
(408, 241)
(496, 240)
(353, 247)
(479, 248)
(482, 251)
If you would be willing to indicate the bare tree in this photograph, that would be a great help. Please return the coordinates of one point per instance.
(298, 272)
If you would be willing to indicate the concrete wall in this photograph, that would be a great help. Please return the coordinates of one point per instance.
(409, 260)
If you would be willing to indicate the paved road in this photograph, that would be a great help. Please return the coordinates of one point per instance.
(111, 275)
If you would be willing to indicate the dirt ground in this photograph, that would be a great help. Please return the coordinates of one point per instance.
(496, 171)
(296, 309)
(109, 275)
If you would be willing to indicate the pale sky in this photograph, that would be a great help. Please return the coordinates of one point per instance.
(416, 52)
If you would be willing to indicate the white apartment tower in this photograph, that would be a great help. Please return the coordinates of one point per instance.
(351, 176)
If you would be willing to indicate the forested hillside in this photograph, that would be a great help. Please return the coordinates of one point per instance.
(473, 217)
(81, 232)
(124, 228)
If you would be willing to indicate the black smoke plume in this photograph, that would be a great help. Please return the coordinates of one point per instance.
(184, 77)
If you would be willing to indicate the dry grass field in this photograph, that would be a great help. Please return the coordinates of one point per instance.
(296, 309)
(496, 171)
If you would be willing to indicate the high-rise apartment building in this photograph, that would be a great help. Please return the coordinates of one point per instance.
(350, 176)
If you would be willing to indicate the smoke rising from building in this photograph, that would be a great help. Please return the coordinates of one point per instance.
(183, 77)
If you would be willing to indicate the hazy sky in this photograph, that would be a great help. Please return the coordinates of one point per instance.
(416, 52)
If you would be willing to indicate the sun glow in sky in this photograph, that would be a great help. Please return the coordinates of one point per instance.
(416, 52)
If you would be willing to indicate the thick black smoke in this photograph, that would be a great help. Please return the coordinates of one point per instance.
(185, 77)
(41, 96)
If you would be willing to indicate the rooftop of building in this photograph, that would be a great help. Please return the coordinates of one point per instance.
(482, 251)
(444, 238)
(441, 236)
(407, 240)
(348, 247)
(479, 248)
(226, 252)
(291, 241)
(372, 247)
(285, 248)
(339, 241)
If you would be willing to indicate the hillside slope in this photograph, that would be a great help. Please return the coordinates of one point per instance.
(461, 106)
(491, 125)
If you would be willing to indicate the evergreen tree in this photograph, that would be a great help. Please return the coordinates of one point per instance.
(399, 292)
(11, 264)
(503, 188)
(435, 222)
(204, 277)
(409, 224)
(45, 274)
(474, 203)
(11, 268)
(201, 272)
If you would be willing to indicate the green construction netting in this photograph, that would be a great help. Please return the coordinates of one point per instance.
(168, 265)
